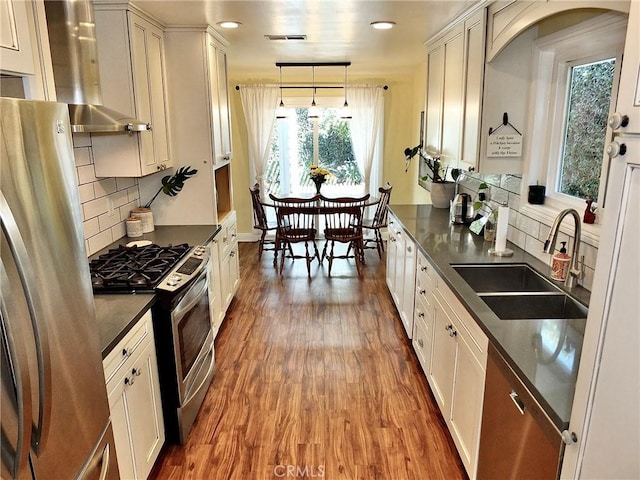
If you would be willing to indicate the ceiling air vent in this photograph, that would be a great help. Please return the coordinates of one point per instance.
(285, 37)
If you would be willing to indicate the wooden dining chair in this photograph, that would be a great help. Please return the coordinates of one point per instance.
(296, 224)
(379, 220)
(261, 222)
(343, 224)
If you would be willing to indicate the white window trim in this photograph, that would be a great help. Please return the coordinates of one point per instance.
(595, 38)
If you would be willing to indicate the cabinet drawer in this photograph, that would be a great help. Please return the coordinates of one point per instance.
(478, 341)
(422, 335)
(425, 268)
(228, 236)
(127, 346)
(424, 290)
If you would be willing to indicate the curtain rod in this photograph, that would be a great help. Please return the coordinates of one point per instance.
(307, 87)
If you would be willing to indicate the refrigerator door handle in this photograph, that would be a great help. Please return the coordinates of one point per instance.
(15, 459)
(27, 278)
(106, 457)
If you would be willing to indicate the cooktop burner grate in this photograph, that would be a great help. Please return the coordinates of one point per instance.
(134, 269)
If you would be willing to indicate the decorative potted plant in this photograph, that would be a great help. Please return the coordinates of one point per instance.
(318, 176)
(171, 185)
(442, 190)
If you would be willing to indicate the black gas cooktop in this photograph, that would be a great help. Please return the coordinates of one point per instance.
(134, 269)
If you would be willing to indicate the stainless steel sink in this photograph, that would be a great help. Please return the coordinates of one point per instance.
(518, 292)
(504, 278)
(536, 306)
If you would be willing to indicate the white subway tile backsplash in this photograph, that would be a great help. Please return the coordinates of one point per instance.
(125, 210)
(528, 225)
(125, 182)
(86, 174)
(118, 231)
(82, 156)
(590, 255)
(119, 199)
(518, 237)
(95, 207)
(109, 219)
(81, 140)
(86, 192)
(91, 227)
(106, 202)
(133, 193)
(511, 183)
(99, 241)
(105, 186)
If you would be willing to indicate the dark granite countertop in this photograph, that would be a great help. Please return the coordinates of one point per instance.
(116, 314)
(549, 375)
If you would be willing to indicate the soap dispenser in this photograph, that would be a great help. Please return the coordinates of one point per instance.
(560, 264)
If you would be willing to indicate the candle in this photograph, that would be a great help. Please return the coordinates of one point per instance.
(501, 229)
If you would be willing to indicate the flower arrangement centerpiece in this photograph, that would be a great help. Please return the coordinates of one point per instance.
(318, 175)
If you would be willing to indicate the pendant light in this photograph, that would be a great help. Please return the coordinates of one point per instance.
(281, 112)
(345, 113)
(313, 110)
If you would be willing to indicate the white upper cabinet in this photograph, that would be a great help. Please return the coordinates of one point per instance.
(132, 74)
(455, 66)
(15, 41)
(200, 128)
(474, 40)
(25, 58)
(223, 104)
(219, 99)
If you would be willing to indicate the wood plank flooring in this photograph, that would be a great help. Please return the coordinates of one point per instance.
(314, 379)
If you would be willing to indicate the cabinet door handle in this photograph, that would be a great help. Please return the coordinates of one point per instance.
(423, 268)
(136, 371)
(423, 291)
(420, 343)
(517, 402)
(453, 333)
(421, 315)
(449, 327)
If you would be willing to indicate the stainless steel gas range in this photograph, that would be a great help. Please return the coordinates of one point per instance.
(181, 320)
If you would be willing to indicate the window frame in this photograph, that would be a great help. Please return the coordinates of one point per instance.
(292, 102)
(553, 55)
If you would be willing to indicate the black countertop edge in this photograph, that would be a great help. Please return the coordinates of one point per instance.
(116, 314)
(445, 245)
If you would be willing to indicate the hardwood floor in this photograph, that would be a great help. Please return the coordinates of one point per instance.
(314, 379)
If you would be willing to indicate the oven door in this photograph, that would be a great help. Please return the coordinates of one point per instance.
(192, 337)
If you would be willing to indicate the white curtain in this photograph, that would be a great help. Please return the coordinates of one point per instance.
(367, 110)
(259, 103)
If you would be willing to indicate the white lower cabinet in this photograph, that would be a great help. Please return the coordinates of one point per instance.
(229, 259)
(131, 373)
(401, 268)
(452, 350)
(224, 270)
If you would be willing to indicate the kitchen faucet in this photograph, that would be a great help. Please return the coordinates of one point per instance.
(575, 272)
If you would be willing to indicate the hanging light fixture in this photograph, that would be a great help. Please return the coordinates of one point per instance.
(281, 112)
(313, 110)
(345, 113)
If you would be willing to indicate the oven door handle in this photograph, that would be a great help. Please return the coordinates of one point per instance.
(192, 297)
(204, 378)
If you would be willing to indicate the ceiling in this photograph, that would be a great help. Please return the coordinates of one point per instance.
(336, 30)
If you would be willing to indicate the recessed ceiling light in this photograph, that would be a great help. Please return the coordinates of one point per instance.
(383, 25)
(228, 24)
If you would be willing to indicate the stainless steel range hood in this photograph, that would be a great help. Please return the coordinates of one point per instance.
(75, 69)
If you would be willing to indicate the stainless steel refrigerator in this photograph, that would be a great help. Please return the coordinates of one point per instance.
(54, 407)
